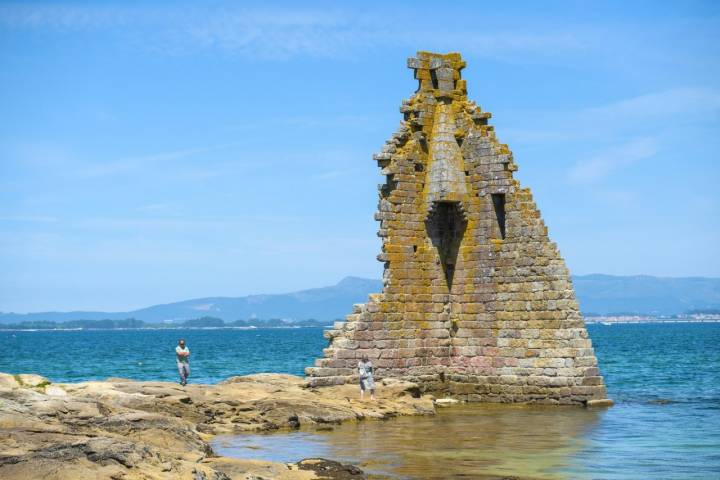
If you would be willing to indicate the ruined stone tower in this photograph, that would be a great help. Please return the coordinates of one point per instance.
(477, 301)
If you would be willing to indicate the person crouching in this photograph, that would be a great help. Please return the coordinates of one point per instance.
(365, 369)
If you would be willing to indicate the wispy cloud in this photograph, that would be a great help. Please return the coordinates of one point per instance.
(29, 219)
(667, 105)
(155, 207)
(179, 223)
(65, 17)
(645, 114)
(612, 159)
(330, 175)
(271, 34)
(131, 164)
(280, 34)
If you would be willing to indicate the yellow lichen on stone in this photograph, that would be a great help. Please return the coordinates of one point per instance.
(474, 288)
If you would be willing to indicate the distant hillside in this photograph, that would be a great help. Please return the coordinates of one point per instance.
(598, 294)
(326, 304)
(607, 294)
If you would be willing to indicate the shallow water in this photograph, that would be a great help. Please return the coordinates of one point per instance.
(502, 440)
(464, 440)
(666, 423)
(665, 379)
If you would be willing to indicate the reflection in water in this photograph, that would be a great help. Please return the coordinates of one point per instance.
(665, 379)
(469, 440)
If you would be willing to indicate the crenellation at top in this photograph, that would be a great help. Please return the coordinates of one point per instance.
(439, 74)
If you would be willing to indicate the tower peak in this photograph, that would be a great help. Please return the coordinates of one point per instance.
(439, 72)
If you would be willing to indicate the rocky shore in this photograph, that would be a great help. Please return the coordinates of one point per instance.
(124, 429)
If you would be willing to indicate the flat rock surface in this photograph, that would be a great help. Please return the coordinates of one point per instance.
(123, 429)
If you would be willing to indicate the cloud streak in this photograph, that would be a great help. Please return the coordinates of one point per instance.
(29, 219)
(133, 164)
(647, 114)
(281, 34)
(666, 105)
(611, 160)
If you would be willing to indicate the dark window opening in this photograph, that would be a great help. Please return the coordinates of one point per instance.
(419, 167)
(433, 78)
(467, 173)
(499, 206)
(414, 248)
(389, 185)
(446, 226)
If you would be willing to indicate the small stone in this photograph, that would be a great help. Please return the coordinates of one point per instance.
(55, 391)
(446, 402)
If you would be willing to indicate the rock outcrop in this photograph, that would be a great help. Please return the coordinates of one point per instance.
(123, 429)
(477, 301)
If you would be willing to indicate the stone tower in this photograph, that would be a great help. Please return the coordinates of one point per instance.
(477, 301)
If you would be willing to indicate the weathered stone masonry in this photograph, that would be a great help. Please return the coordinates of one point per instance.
(477, 301)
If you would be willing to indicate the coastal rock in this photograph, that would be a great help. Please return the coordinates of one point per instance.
(32, 380)
(54, 390)
(331, 469)
(147, 430)
(8, 381)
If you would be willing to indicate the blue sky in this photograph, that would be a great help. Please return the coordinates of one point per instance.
(153, 152)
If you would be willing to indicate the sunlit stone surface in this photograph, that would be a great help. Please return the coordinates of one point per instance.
(477, 302)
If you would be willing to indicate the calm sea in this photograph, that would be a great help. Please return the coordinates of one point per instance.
(665, 379)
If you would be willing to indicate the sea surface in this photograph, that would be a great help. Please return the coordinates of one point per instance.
(664, 378)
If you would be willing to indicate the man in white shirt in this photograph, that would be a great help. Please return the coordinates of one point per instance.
(183, 361)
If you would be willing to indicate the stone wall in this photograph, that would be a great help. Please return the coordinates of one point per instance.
(477, 301)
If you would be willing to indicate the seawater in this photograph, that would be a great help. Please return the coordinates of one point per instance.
(144, 354)
(665, 379)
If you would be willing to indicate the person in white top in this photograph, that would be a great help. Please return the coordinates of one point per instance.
(365, 369)
(183, 361)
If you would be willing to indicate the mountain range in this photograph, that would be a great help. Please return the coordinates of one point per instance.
(598, 295)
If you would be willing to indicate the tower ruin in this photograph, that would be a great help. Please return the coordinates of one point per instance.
(477, 302)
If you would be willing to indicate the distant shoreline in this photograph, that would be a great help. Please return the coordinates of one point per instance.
(156, 328)
(635, 322)
(587, 322)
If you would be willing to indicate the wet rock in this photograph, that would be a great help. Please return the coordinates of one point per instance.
(331, 469)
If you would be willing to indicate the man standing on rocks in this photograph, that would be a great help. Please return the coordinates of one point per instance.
(183, 361)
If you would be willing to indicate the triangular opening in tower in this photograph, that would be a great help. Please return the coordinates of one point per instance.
(445, 226)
